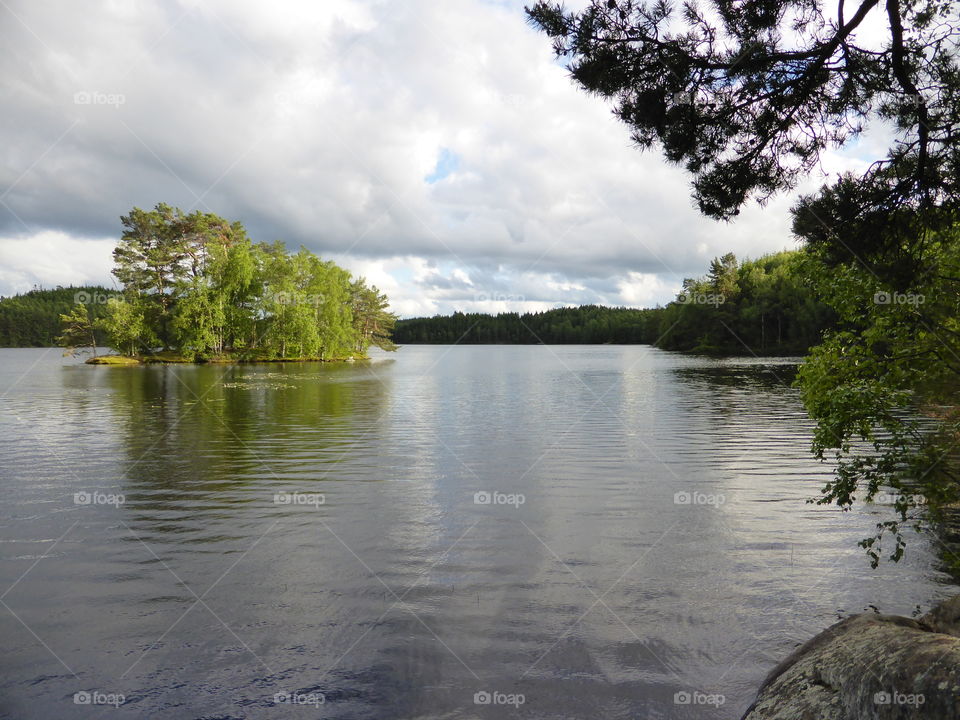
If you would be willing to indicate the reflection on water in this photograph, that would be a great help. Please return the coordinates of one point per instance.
(646, 536)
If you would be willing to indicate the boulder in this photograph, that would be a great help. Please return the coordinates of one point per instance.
(870, 666)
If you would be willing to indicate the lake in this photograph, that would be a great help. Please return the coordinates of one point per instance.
(443, 532)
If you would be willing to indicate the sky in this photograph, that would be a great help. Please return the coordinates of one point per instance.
(438, 149)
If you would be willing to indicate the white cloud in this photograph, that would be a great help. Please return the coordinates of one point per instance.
(52, 258)
(642, 289)
(318, 123)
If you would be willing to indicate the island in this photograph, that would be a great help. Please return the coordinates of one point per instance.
(194, 288)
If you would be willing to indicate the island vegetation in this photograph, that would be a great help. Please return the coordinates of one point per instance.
(195, 288)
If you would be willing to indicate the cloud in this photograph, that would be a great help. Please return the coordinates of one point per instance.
(394, 137)
(56, 258)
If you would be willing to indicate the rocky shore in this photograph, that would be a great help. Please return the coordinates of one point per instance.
(883, 667)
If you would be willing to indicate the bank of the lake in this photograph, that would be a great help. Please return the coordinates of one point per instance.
(175, 359)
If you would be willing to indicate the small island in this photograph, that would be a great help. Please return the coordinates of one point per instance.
(194, 288)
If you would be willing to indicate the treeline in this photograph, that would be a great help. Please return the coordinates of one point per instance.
(32, 319)
(763, 306)
(586, 324)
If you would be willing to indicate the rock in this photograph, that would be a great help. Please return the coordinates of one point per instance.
(870, 667)
(945, 618)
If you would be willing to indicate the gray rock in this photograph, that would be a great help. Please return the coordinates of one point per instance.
(870, 667)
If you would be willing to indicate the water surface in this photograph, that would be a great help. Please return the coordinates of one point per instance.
(317, 530)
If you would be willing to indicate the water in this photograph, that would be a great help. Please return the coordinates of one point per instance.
(601, 594)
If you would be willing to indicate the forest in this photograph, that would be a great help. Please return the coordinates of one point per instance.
(194, 287)
(32, 319)
(573, 325)
(755, 307)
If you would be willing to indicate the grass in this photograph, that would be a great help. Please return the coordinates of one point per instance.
(112, 360)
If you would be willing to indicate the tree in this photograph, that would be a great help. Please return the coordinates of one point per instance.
(883, 387)
(164, 250)
(747, 96)
(126, 327)
(77, 331)
(723, 276)
(238, 283)
(149, 260)
(372, 322)
(197, 284)
(32, 319)
(327, 287)
(199, 320)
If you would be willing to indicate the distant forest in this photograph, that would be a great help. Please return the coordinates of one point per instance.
(761, 306)
(32, 319)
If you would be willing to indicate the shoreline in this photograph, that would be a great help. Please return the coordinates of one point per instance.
(128, 361)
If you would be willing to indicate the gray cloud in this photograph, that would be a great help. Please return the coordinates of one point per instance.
(318, 124)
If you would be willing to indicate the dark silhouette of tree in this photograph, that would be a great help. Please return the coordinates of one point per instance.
(747, 96)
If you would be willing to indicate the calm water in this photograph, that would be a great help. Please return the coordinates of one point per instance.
(383, 588)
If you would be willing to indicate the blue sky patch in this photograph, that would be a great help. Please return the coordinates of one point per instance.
(446, 164)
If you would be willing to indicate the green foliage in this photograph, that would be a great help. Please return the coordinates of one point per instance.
(373, 324)
(199, 320)
(77, 331)
(126, 327)
(758, 307)
(883, 386)
(164, 254)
